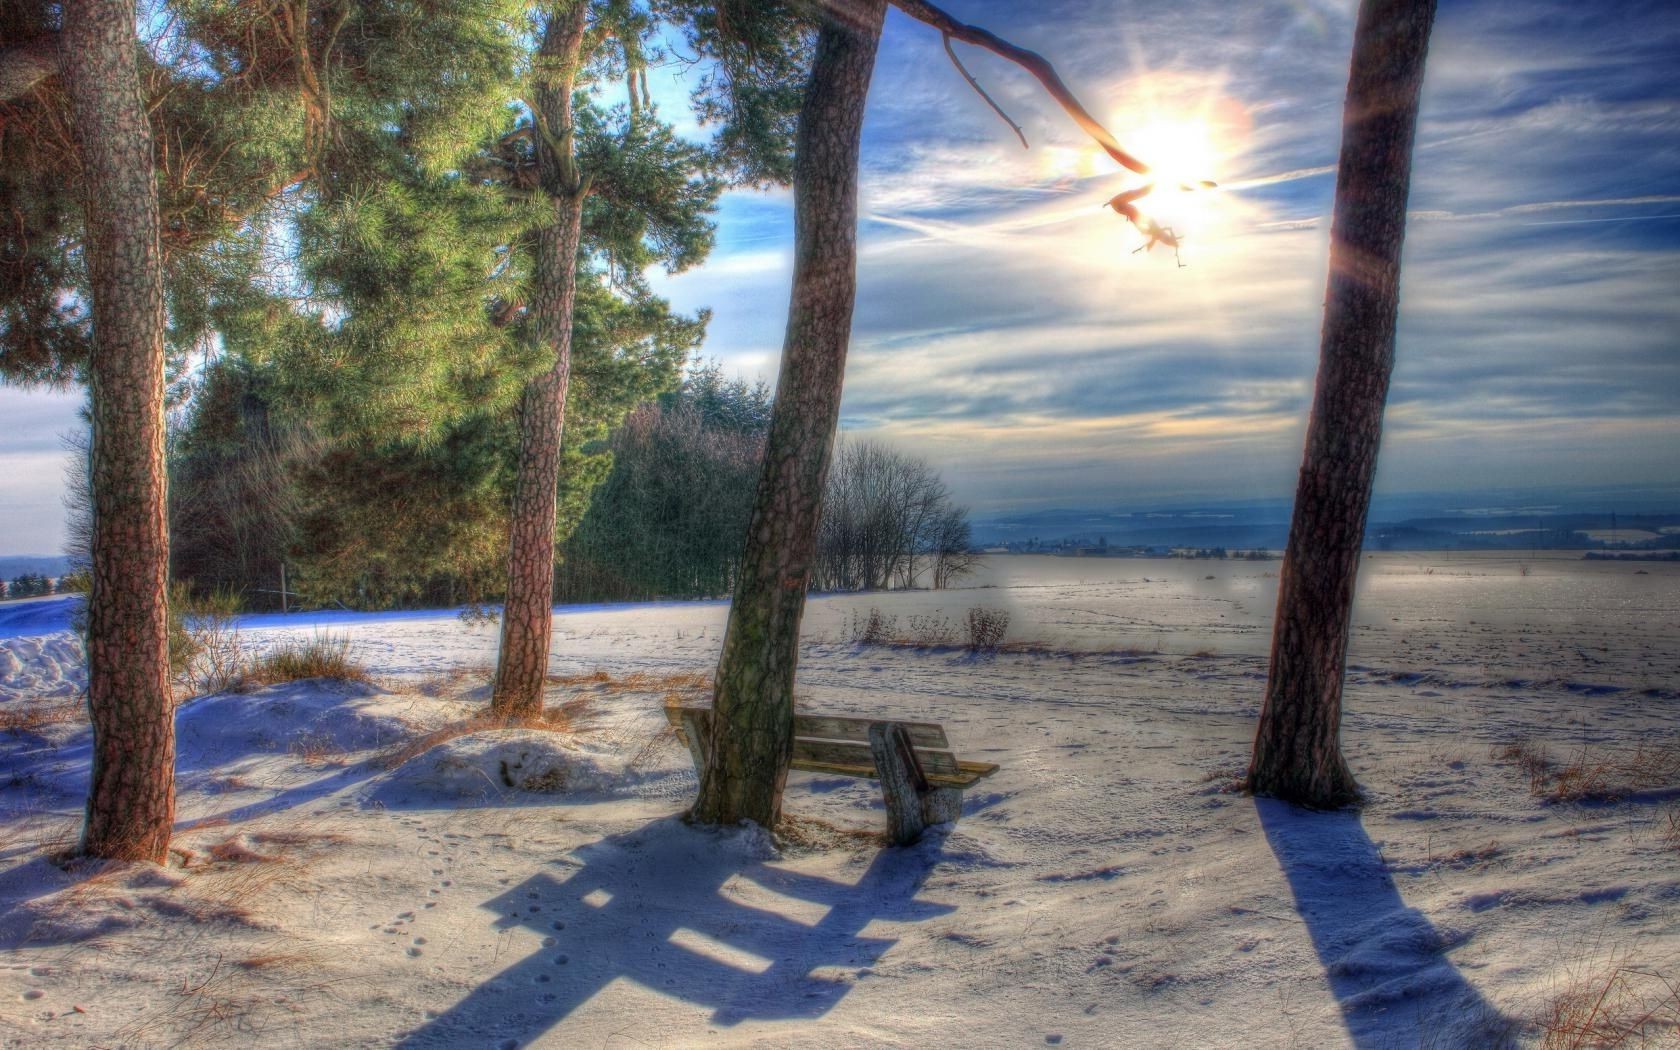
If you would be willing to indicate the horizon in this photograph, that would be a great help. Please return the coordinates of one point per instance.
(1006, 332)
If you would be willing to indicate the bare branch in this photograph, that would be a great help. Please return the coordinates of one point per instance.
(1032, 62)
(975, 84)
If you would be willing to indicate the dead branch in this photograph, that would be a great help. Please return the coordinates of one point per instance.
(975, 84)
(1033, 63)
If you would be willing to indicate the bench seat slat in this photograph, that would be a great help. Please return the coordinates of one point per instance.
(835, 751)
(961, 779)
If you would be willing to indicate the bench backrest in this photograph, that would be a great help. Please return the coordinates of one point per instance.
(834, 740)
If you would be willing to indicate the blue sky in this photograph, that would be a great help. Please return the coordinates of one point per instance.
(1006, 332)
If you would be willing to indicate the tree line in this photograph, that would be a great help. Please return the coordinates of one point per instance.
(417, 251)
(670, 519)
(29, 585)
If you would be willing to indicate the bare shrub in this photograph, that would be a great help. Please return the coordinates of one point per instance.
(323, 656)
(218, 663)
(477, 614)
(1669, 830)
(876, 628)
(986, 628)
(932, 630)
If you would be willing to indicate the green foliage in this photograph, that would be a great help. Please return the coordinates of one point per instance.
(256, 113)
(670, 518)
(28, 585)
(752, 88)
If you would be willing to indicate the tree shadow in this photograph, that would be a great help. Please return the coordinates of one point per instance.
(662, 907)
(1385, 962)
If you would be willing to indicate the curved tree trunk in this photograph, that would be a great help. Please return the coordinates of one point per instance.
(131, 801)
(528, 615)
(1297, 751)
(752, 728)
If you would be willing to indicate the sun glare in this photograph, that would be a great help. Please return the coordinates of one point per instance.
(1180, 153)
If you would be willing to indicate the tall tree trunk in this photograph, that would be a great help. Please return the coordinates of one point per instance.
(752, 725)
(131, 801)
(1297, 751)
(528, 615)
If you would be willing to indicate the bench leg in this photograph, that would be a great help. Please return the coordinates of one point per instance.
(942, 805)
(901, 782)
(694, 735)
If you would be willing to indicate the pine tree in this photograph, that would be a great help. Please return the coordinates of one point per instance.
(131, 802)
(651, 194)
(1297, 749)
(142, 229)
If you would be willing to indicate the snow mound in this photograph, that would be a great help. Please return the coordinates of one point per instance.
(42, 668)
(498, 765)
(37, 616)
(317, 717)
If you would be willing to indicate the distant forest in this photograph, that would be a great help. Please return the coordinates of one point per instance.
(656, 509)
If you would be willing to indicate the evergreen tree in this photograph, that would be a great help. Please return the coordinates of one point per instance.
(644, 194)
(670, 517)
(144, 180)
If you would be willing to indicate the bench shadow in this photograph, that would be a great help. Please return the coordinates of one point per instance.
(1385, 962)
(662, 907)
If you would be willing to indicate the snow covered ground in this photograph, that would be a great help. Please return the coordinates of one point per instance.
(340, 885)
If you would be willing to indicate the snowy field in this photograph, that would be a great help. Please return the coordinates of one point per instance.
(339, 885)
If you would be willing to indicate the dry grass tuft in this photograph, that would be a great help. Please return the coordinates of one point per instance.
(595, 677)
(445, 683)
(1605, 775)
(232, 851)
(558, 718)
(1531, 758)
(1617, 1006)
(809, 835)
(32, 717)
(318, 749)
(1669, 830)
(323, 656)
(653, 746)
(635, 681)
(296, 838)
(272, 961)
(426, 741)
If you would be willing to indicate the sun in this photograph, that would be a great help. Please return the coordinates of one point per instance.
(1180, 153)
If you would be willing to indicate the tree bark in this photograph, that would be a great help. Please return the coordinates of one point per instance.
(752, 722)
(528, 615)
(131, 801)
(25, 65)
(1297, 750)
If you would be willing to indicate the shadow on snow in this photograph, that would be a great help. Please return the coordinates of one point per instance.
(1386, 964)
(662, 906)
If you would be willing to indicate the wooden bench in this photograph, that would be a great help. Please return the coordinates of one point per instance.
(921, 780)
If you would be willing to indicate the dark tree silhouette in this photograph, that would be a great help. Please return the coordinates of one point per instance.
(1297, 751)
